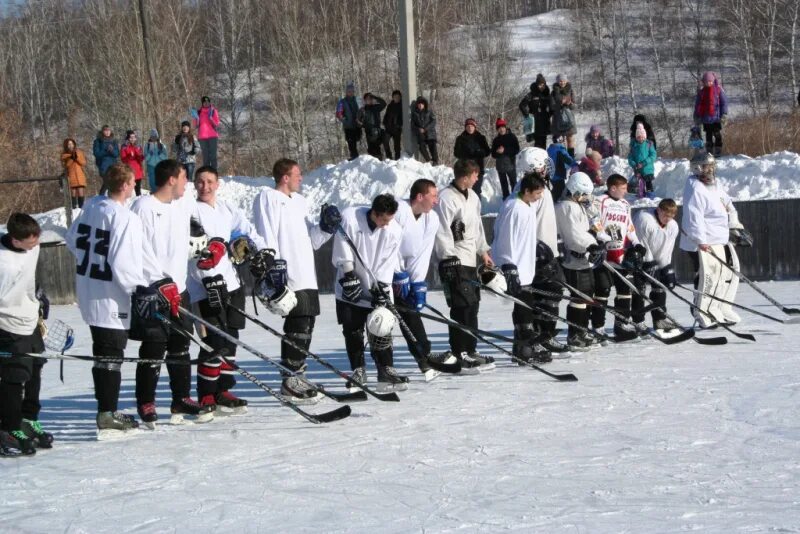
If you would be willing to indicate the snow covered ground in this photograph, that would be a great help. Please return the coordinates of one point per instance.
(354, 183)
(651, 439)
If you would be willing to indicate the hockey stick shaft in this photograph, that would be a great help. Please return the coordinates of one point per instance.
(693, 291)
(341, 411)
(694, 306)
(380, 396)
(542, 311)
(560, 377)
(100, 359)
(559, 296)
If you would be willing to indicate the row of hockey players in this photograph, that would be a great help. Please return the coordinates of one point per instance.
(134, 280)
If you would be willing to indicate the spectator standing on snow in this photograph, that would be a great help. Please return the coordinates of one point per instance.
(562, 102)
(186, 147)
(696, 143)
(641, 119)
(536, 106)
(423, 126)
(711, 110)
(642, 157)
(471, 145)
(562, 162)
(105, 149)
(505, 148)
(74, 160)
(597, 143)
(393, 125)
(154, 152)
(206, 120)
(133, 156)
(590, 165)
(369, 116)
(347, 114)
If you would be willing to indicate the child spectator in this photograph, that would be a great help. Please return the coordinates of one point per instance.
(696, 143)
(186, 148)
(641, 158)
(505, 148)
(597, 143)
(562, 161)
(711, 110)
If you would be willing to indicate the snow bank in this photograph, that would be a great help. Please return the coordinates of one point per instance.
(353, 183)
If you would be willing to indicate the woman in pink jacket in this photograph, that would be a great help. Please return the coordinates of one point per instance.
(206, 120)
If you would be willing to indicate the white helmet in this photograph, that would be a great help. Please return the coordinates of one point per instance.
(282, 303)
(536, 160)
(492, 278)
(579, 184)
(380, 323)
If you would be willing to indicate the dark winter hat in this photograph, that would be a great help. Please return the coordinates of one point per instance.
(470, 121)
(540, 78)
(205, 99)
(397, 92)
(558, 139)
(105, 127)
(499, 122)
(129, 133)
(186, 123)
(594, 129)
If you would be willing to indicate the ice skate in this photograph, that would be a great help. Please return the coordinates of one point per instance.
(359, 376)
(9, 447)
(115, 425)
(390, 380)
(297, 390)
(148, 415)
(231, 404)
(34, 430)
(187, 411)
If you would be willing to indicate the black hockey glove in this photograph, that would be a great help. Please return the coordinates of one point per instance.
(514, 287)
(330, 218)
(634, 257)
(667, 276)
(261, 262)
(448, 269)
(277, 275)
(217, 292)
(458, 228)
(597, 254)
(147, 302)
(380, 294)
(44, 303)
(351, 287)
(740, 237)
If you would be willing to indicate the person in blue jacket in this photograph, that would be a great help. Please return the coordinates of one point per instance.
(155, 151)
(105, 149)
(562, 162)
(642, 157)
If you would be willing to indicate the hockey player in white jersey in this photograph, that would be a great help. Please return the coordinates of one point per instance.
(514, 249)
(536, 160)
(165, 216)
(21, 310)
(108, 243)
(616, 230)
(574, 218)
(360, 299)
(281, 218)
(709, 223)
(214, 284)
(460, 244)
(657, 231)
(420, 224)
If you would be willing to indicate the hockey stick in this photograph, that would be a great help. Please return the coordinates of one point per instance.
(559, 296)
(542, 311)
(334, 415)
(743, 278)
(791, 320)
(667, 341)
(100, 359)
(356, 396)
(635, 290)
(389, 304)
(692, 305)
(59, 338)
(560, 377)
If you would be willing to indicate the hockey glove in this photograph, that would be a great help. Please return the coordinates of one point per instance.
(351, 287)
(241, 249)
(401, 285)
(277, 275)
(212, 254)
(597, 254)
(146, 302)
(170, 296)
(448, 269)
(330, 218)
(458, 228)
(198, 240)
(740, 237)
(216, 292)
(666, 276)
(417, 297)
(261, 262)
(513, 285)
(634, 257)
(44, 303)
(380, 294)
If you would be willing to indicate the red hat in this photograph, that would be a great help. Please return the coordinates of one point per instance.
(499, 122)
(470, 121)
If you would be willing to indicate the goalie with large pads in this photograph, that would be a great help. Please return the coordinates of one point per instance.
(289, 287)
(710, 221)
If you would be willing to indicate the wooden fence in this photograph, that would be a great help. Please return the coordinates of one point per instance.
(775, 225)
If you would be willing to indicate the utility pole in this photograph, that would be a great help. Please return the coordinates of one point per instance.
(151, 71)
(408, 69)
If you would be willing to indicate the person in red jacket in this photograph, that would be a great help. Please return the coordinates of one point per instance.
(133, 156)
(206, 120)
